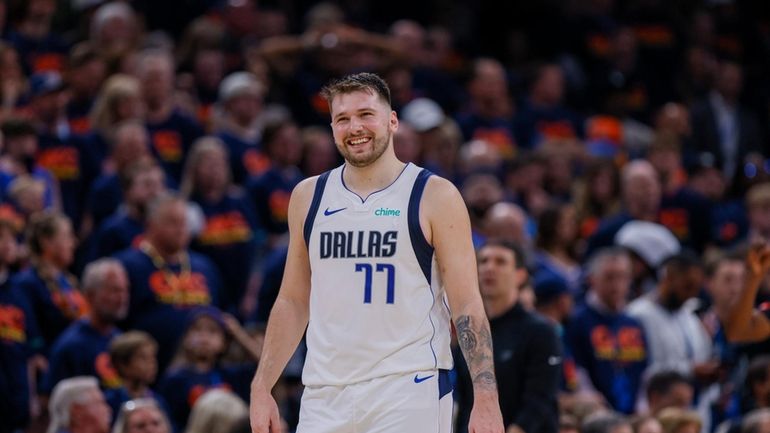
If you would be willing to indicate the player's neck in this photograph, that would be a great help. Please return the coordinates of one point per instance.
(375, 176)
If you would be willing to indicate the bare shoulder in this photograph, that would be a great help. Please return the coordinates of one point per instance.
(441, 196)
(300, 200)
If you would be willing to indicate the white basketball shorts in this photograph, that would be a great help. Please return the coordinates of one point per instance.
(411, 403)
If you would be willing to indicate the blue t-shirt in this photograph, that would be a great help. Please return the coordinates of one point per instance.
(229, 238)
(246, 158)
(116, 233)
(613, 351)
(56, 303)
(181, 387)
(270, 193)
(39, 55)
(171, 141)
(19, 338)
(81, 350)
(161, 299)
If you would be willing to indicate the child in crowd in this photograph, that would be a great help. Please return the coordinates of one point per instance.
(134, 355)
(197, 365)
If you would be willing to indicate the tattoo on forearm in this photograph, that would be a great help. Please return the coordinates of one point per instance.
(476, 343)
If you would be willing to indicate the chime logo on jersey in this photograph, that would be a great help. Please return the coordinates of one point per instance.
(357, 244)
(383, 211)
(12, 324)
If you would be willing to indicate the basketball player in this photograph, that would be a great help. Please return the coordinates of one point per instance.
(379, 255)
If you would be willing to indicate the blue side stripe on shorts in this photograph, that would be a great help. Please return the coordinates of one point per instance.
(444, 383)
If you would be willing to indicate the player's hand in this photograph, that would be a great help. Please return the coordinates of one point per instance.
(758, 259)
(486, 416)
(263, 412)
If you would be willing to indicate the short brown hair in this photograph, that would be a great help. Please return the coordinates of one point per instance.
(124, 347)
(364, 81)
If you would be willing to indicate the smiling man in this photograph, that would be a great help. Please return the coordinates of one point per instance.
(376, 290)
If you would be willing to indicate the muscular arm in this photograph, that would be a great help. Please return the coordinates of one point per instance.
(448, 229)
(289, 316)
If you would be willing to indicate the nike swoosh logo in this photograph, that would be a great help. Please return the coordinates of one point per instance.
(328, 212)
(418, 379)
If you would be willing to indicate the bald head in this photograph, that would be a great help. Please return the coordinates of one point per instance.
(641, 190)
(508, 222)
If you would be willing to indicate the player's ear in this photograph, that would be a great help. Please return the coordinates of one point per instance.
(393, 121)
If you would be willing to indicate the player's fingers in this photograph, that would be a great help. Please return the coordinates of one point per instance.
(275, 422)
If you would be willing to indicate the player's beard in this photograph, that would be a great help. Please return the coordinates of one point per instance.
(379, 145)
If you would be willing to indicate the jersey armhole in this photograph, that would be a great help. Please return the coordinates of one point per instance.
(422, 248)
(314, 205)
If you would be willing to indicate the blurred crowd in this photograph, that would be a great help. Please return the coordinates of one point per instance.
(614, 157)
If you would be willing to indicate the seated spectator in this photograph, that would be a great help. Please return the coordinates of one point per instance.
(81, 350)
(757, 388)
(53, 292)
(77, 406)
(197, 365)
(217, 411)
(167, 280)
(140, 416)
(134, 356)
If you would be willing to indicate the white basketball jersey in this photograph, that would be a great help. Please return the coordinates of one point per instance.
(377, 306)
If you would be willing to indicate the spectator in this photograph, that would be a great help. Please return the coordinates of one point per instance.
(543, 116)
(141, 183)
(77, 406)
(51, 290)
(758, 206)
(606, 342)
(757, 421)
(141, 416)
(668, 388)
(167, 280)
(230, 233)
(118, 101)
(171, 131)
(129, 144)
(508, 222)
(675, 336)
(605, 422)
(84, 75)
(197, 364)
(66, 157)
(216, 411)
(676, 420)
(527, 361)
(81, 350)
(21, 146)
(270, 191)
(240, 128)
(134, 356)
(722, 126)
(490, 109)
(744, 323)
(556, 242)
(757, 387)
(19, 338)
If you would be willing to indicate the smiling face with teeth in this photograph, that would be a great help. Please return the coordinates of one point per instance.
(363, 126)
